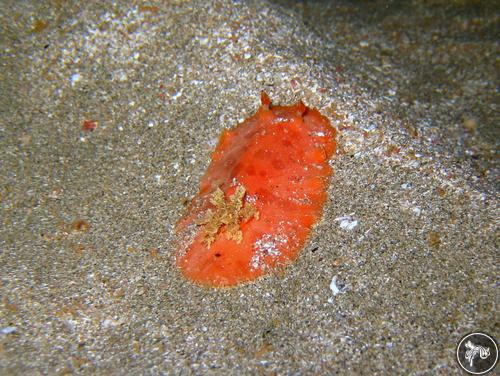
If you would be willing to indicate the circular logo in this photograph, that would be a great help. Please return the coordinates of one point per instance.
(477, 353)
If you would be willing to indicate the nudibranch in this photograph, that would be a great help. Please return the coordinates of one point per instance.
(260, 196)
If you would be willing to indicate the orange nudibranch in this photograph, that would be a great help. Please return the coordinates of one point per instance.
(263, 191)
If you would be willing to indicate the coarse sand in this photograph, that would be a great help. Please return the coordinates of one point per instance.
(108, 114)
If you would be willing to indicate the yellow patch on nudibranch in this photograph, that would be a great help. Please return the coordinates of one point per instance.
(229, 213)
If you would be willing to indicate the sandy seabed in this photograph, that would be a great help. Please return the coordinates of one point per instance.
(108, 114)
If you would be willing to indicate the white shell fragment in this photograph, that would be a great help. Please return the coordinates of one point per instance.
(347, 222)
